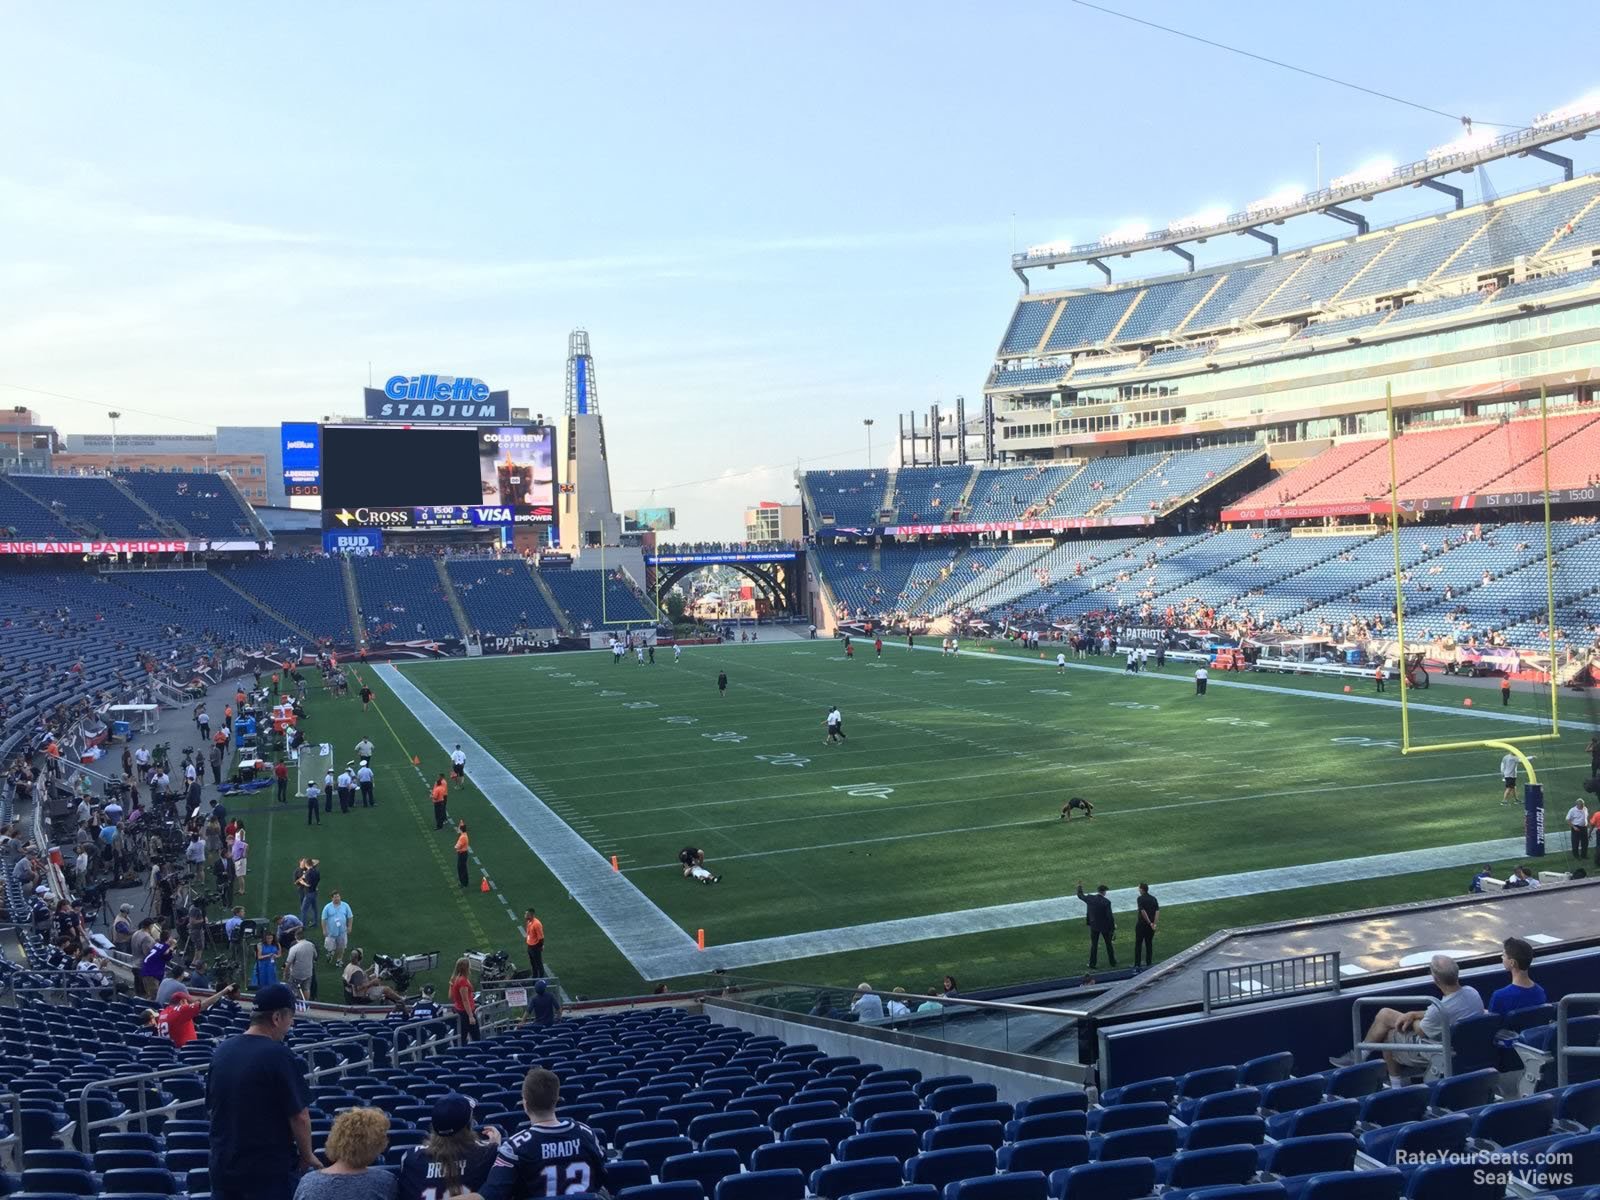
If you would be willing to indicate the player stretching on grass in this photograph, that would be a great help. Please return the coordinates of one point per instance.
(1077, 802)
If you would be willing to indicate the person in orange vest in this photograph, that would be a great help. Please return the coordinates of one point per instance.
(227, 718)
(533, 934)
(462, 845)
(1505, 691)
(239, 699)
(52, 756)
(441, 796)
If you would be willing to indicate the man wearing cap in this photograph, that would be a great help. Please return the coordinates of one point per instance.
(337, 922)
(455, 1159)
(122, 928)
(177, 1016)
(257, 1100)
(364, 782)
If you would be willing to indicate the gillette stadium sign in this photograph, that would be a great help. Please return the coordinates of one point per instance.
(454, 398)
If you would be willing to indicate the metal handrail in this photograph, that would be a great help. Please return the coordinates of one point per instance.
(1563, 1050)
(1441, 1047)
(201, 1069)
(14, 1102)
(413, 1039)
(1305, 974)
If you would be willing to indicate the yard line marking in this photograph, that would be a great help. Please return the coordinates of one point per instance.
(644, 934)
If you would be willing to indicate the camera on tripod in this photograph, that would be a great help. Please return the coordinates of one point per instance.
(398, 972)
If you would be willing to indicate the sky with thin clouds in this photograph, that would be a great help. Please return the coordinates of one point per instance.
(774, 221)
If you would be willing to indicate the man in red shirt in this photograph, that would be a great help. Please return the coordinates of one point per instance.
(281, 774)
(177, 1019)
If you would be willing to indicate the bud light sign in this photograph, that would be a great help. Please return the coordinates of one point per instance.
(352, 541)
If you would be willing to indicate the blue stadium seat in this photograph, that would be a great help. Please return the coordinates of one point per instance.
(1217, 1167)
(1205, 1081)
(864, 1108)
(1331, 1116)
(112, 1160)
(832, 1130)
(805, 1157)
(1309, 1155)
(72, 1183)
(919, 1121)
(1126, 1179)
(643, 1131)
(1022, 1185)
(56, 1160)
(1127, 1116)
(967, 1133)
(793, 1114)
(624, 1173)
(1459, 1092)
(1052, 1102)
(1354, 1185)
(909, 1191)
(1163, 1089)
(1514, 1121)
(606, 1124)
(682, 1189)
(1236, 1102)
(941, 1167)
(1249, 1191)
(1044, 1154)
(743, 1142)
(1269, 1068)
(1356, 1081)
(1446, 1135)
(707, 1167)
(763, 1185)
(1156, 1141)
(656, 1151)
(988, 1110)
(1226, 1131)
(840, 1179)
(1049, 1124)
(1472, 1043)
(1578, 1108)
(901, 1144)
(909, 1076)
(1453, 1181)
(1394, 1106)
(1293, 1093)
(945, 1098)
(156, 1181)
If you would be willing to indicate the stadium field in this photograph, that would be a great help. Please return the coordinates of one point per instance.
(930, 841)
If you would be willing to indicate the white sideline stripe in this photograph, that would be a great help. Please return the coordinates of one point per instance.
(1067, 908)
(644, 934)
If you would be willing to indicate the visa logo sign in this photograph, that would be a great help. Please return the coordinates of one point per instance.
(491, 514)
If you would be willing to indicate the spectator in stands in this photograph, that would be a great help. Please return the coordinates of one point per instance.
(542, 1006)
(122, 929)
(455, 1159)
(464, 1003)
(1401, 1029)
(153, 968)
(549, 1148)
(179, 1011)
(867, 1006)
(1102, 924)
(1522, 991)
(358, 1139)
(258, 1104)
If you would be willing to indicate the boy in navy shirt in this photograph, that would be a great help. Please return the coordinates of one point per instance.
(550, 1156)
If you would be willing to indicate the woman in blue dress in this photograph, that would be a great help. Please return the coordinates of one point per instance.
(266, 960)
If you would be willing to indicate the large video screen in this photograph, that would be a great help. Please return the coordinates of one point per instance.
(437, 476)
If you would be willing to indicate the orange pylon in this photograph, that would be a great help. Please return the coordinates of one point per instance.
(614, 866)
(700, 939)
(484, 885)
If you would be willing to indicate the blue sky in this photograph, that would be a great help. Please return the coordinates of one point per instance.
(773, 221)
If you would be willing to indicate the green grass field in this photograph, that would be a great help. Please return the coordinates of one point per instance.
(946, 797)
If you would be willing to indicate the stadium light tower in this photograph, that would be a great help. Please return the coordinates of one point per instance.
(115, 417)
(867, 421)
